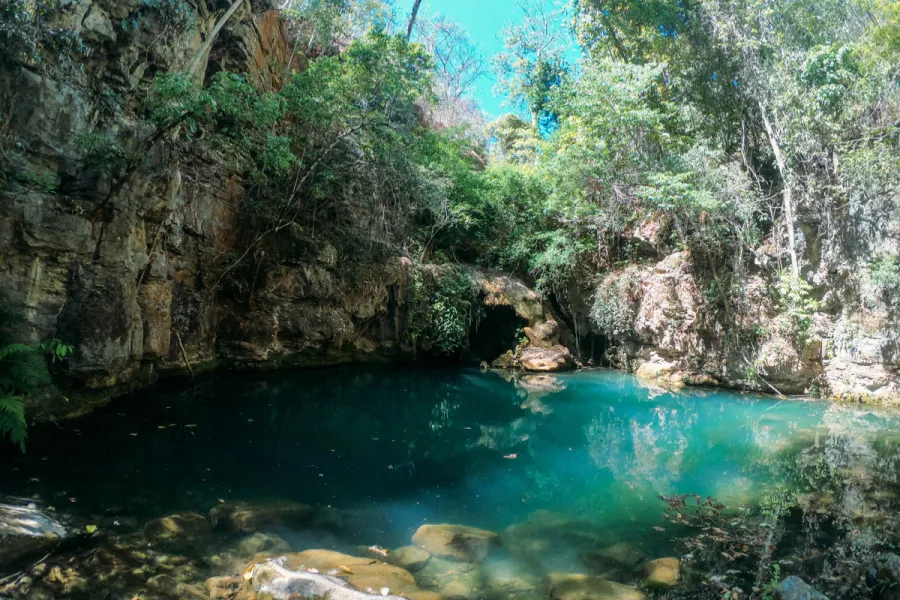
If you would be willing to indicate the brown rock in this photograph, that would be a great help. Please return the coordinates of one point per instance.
(660, 573)
(548, 360)
(571, 586)
(361, 573)
(458, 542)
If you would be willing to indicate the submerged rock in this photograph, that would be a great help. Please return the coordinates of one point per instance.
(612, 558)
(411, 558)
(262, 542)
(361, 573)
(189, 527)
(660, 573)
(458, 542)
(167, 586)
(276, 582)
(572, 586)
(794, 588)
(26, 531)
(252, 517)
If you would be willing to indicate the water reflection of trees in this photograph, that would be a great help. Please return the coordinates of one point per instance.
(646, 450)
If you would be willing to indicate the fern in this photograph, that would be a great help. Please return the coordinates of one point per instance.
(12, 420)
(23, 370)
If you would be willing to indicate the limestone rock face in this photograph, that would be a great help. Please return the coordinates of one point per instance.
(25, 532)
(458, 542)
(675, 335)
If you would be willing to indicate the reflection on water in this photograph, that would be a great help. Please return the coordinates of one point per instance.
(565, 466)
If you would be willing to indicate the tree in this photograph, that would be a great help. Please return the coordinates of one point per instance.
(412, 19)
(458, 66)
(533, 61)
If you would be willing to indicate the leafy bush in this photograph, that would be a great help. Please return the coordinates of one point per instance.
(444, 310)
(885, 272)
(793, 299)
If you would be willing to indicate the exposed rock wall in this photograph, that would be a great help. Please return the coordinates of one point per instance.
(127, 271)
(675, 334)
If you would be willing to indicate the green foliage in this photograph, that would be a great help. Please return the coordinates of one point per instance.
(100, 151)
(28, 31)
(177, 13)
(793, 298)
(885, 272)
(23, 370)
(444, 310)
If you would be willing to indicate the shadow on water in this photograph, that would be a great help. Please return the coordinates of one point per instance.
(571, 469)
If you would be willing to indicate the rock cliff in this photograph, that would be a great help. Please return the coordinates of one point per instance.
(663, 325)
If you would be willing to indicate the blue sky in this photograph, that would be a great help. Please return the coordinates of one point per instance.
(483, 20)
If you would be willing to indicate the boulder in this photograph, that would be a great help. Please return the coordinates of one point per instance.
(660, 573)
(262, 542)
(572, 586)
(411, 558)
(252, 517)
(26, 532)
(546, 360)
(361, 573)
(620, 555)
(276, 582)
(794, 588)
(458, 542)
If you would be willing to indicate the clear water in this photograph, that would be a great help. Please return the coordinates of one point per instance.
(391, 449)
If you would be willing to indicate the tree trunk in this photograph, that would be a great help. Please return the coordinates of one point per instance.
(788, 189)
(207, 44)
(412, 20)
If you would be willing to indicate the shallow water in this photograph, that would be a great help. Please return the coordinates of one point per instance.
(390, 449)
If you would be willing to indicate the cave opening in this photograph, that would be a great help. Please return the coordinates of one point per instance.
(499, 329)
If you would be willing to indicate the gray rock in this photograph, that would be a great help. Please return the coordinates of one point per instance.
(794, 588)
(26, 532)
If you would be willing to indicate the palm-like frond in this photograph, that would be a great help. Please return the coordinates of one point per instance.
(12, 420)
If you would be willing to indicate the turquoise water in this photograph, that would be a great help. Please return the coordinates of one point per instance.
(389, 449)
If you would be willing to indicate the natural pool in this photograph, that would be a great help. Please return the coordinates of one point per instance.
(568, 468)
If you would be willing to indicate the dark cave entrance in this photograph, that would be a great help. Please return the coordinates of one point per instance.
(493, 333)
